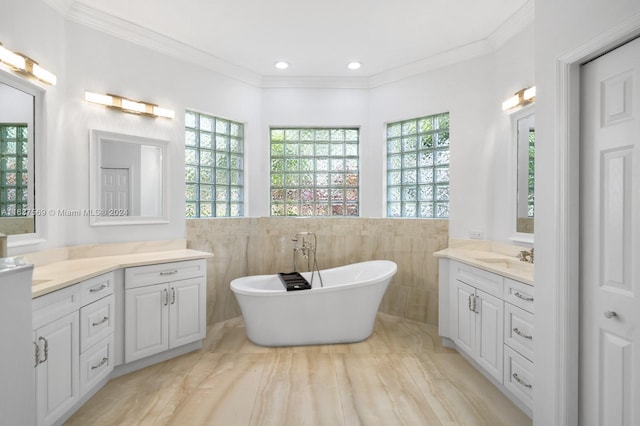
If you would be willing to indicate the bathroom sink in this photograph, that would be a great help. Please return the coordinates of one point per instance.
(506, 263)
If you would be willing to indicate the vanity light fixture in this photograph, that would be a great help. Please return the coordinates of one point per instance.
(26, 66)
(128, 105)
(520, 98)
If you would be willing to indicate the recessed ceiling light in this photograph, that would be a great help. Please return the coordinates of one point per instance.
(354, 65)
(281, 65)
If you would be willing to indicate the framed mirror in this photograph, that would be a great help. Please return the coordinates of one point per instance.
(20, 125)
(524, 126)
(128, 179)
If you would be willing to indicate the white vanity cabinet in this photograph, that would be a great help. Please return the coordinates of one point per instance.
(490, 318)
(57, 353)
(519, 340)
(165, 307)
(477, 316)
(97, 325)
(64, 332)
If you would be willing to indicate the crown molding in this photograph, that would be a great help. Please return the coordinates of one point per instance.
(517, 22)
(60, 6)
(134, 33)
(272, 82)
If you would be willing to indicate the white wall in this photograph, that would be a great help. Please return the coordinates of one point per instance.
(482, 176)
(560, 27)
(85, 59)
(312, 107)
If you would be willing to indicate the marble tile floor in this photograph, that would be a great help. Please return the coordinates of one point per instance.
(401, 375)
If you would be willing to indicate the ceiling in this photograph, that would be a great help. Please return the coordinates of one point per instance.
(244, 38)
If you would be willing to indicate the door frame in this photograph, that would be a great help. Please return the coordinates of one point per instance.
(567, 154)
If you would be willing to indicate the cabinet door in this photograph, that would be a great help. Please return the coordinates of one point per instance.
(463, 317)
(187, 316)
(146, 321)
(57, 383)
(489, 333)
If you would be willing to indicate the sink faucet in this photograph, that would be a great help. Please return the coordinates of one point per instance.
(526, 255)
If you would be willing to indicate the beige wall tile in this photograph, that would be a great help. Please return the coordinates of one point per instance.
(251, 246)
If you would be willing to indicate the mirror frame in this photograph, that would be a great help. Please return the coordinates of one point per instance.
(38, 161)
(95, 161)
(518, 237)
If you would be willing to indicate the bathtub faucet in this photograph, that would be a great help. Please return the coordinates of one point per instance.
(303, 244)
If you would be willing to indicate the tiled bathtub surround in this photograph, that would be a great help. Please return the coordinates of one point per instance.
(252, 246)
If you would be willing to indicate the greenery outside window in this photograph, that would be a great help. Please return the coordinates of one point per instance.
(314, 171)
(418, 167)
(214, 166)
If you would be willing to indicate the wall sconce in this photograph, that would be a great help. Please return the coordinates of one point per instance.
(128, 105)
(521, 98)
(26, 66)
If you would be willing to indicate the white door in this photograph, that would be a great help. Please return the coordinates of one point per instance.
(115, 189)
(187, 316)
(57, 374)
(146, 312)
(489, 333)
(463, 321)
(610, 239)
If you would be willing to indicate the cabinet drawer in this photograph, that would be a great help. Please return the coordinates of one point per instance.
(519, 330)
(96, 364)
(518, 376)
(140, 276)
(96, 322)
(52, 306)
(482, 280)
(519, 294)
(96, 288)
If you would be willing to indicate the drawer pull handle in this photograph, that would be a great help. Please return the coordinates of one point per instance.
(99, 288)
(102, 321)
(521, 334)
(520, 296)
(46, 350)
(172, 272)
(522, 382)
(103, 362)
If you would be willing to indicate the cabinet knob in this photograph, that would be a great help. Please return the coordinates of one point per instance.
(610, 314)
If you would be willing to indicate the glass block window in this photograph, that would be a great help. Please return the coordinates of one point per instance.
(418, 167)
(314, 172)
(14, 176)
(214, 166)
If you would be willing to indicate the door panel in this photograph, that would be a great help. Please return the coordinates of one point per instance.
(610, 239)
(489, 333)
(463, 320)
(147, 321)
(187, 316)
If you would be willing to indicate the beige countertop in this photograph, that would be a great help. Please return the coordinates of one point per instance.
(499, 263)
(60, 274)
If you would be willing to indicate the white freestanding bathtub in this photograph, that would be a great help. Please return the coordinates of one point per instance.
(342, 311)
